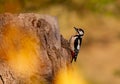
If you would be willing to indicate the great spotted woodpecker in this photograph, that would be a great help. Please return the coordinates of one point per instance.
(75, 43)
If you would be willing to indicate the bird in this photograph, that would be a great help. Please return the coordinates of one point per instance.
(75, 43)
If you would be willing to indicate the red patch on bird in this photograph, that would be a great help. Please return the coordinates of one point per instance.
(73, 54)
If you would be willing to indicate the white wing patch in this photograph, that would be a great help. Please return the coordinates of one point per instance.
(78, 47)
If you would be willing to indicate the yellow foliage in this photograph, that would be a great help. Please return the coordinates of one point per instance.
(20, 49)
(70, 76)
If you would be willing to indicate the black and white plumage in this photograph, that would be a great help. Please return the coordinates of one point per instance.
(75, 43)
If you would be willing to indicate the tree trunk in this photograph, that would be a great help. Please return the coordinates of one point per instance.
(32, 50)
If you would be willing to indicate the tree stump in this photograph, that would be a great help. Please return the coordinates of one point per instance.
(32, 50)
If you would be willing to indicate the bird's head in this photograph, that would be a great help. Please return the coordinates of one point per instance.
(79, 31)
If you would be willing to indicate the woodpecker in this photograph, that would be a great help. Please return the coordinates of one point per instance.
(75, 43)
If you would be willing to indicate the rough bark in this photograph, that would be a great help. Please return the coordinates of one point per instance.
(32, 50)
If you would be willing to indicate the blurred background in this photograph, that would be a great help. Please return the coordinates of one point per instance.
(99, 58)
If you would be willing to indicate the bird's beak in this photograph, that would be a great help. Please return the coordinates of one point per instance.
(76, 29)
